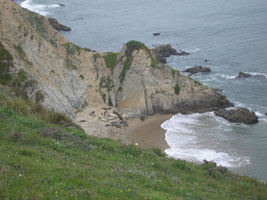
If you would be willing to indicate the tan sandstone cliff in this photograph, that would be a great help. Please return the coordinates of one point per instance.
(77, 82)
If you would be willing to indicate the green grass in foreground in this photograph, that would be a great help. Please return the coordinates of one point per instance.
(40, 160)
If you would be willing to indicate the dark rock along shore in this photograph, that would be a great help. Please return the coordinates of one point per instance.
(56, 25)
(240, 115)
(197, 69)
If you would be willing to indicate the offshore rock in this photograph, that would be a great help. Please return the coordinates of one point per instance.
(247, 75)
(163, 51)
(56, 25)
(197, 69)
(240, 115)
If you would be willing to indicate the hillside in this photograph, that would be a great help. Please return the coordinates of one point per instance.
(56, 96)
(41, 159)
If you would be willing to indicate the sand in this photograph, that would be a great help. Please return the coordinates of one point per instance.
(148, 134)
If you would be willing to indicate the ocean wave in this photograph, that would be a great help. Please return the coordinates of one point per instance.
(198, 155)
(38, 8)
(225, 76)
(183, 135)
(193, 50)
(257, 74)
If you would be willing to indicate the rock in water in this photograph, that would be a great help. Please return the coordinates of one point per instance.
(56, 25)
(240, 115)
(247, 75)
(156, 34)
(163, 51)
(197, 69)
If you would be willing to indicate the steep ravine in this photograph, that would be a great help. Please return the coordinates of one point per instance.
(80, 83)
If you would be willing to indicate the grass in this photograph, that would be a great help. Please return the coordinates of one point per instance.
(111, 60)
(40, 160)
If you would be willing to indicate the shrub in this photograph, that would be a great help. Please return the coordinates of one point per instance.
(109, 101)
(180, 164)
(177, 89)
(18, 105)
(22, 75)
(5, 62)
(111, 60)
(158, 152)
(39, 97)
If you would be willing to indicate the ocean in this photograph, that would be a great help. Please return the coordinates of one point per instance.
(230, 34)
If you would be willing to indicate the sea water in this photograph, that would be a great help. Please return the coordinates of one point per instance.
(231, 35)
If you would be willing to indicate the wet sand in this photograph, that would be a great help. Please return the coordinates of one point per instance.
(148, 134)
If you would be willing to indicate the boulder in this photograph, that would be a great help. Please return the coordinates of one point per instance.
(197, 69)
(247, 75)
(240, 115)
(163, 51)
(56, 25)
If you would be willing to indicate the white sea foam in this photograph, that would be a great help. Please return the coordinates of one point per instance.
(193, 50)
(38, 8)
(257, 74)
(226, 76)
(184, 138)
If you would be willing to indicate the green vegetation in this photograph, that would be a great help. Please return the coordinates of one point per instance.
(120, 89)
(39, 97)
(5, 63)
(111, 60)
(41, 160)
(174, 71)
(96, 56)
(131, 46)
(177, 89)
(22, 54)
(37, 23)
(103, 96)
(72, 48)
(195, 81)
(154, 62)
(110, 102)
(22, 75)
(126, 67)
(106, 82)
(53, 42)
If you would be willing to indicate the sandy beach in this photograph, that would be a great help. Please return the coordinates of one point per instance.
(148, 134)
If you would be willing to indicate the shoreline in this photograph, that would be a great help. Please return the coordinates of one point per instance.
(148, 134)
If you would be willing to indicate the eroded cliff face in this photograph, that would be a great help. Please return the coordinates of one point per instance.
(144, 86)
(76, 82)
(62, 71)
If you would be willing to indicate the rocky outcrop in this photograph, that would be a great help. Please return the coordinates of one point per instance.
(56, 25)
(163, 51)
(149, 87)
(247, 75)
(197, 69)
(240, 115)
(79, 83)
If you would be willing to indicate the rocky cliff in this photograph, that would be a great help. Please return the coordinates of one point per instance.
(76, 82)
